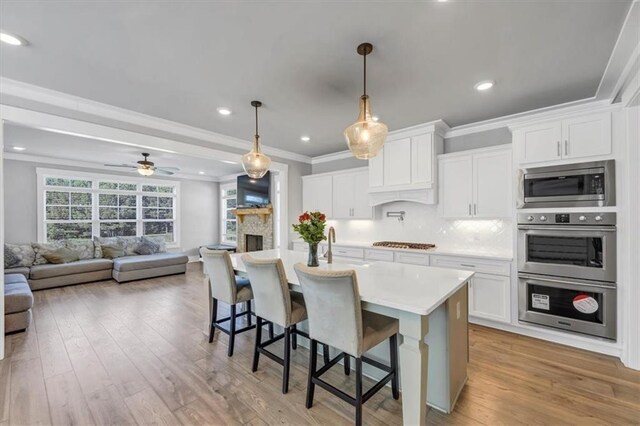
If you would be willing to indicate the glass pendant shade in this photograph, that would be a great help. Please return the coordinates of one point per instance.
(365, 137)
(145, 171)
(254, 162)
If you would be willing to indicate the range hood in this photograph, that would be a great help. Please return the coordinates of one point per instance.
(427, 195)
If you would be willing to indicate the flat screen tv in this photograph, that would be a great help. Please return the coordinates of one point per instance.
(254, 192)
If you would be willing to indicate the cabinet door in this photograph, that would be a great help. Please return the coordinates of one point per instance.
(540, 142)
(586, 136)
(489, 297)
(376, 170)
(456, 189)
(422, 159)
(492, 184)
(317, 194)
(343, 196)
(397, 162)
(361, 208)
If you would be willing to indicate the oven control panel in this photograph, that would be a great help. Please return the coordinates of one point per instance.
(551, 218)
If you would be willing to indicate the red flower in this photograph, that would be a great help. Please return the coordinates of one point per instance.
(322, 217)
(304, 216)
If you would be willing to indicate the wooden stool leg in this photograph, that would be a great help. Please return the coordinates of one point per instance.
(347, 364)
(256, 353)
(325, 353)
(294, 337)
(287, 360)
(393, 343)
(313, 354)
(358, 391)
(232, 330)
(214, 316)
(248, 311)
(270, 330)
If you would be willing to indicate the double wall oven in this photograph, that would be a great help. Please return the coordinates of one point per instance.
(567, 261)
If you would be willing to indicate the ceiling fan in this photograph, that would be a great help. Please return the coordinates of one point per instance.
(147, 168)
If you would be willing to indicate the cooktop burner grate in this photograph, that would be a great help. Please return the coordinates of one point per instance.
(401, 245)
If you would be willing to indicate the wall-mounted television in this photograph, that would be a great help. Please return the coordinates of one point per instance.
(254, 192)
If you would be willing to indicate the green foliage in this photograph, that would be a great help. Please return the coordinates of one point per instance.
(311, 226)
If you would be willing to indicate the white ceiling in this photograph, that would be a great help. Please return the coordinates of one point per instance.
(181, 60)
(95, 153)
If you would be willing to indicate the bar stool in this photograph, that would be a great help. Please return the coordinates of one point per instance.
(336, 318)
(228, 288)
(277, 305)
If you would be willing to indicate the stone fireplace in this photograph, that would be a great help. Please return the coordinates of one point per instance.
(254, 233)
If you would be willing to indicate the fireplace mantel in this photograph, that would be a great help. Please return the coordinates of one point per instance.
(264, 213)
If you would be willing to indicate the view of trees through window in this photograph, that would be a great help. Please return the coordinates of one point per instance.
(81, 208)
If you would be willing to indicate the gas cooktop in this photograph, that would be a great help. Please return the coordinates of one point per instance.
(401, 245)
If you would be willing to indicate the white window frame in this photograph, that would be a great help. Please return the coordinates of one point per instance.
(224, 187)
(43, 173)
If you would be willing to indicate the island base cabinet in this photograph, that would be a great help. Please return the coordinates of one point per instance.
(489, 297)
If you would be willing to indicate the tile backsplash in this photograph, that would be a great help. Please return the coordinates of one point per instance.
(423, 225)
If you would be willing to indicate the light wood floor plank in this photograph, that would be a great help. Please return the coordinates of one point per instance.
(148, 409)
(28, 394)
(66, 400)
(108, 408)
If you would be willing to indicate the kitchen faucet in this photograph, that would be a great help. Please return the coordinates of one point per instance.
(329, 253)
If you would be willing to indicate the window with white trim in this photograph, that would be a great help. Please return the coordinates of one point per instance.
(82, 205)
(228, 225)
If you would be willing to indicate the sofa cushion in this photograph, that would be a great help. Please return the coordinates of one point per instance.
(15, 278)
(61, 255)
(41, 248)
(130, 244)
(111, 251)
(18, 255)
(148, 246)
(133, 263)
(81, 266)
(22, 270)
(158, 239)
(100, 241)
(84, 247)
(17, 297)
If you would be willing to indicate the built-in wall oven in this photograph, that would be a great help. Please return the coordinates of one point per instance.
(567, 271)
(571, 185)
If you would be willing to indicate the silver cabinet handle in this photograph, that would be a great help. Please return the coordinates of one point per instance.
(467, 265)
(566, 147)
(469, 209)
(558, 144)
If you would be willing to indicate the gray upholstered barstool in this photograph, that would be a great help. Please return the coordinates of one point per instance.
(277, 305)
(228, 288)
(336, 318)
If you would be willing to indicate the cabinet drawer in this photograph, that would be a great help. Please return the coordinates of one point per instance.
(411, 258)
(353, 252)
(384, 255)
(476, 265)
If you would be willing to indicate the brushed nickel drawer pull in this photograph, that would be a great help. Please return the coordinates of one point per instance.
(468, 265)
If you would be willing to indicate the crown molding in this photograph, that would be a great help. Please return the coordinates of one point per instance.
(39, 159)
(54, 98)
(340, 155)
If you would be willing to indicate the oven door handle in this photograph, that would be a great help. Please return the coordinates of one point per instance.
(568, 228)
(597, 284)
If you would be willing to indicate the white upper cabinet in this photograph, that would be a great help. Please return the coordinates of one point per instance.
(476, 184)
(397, 158)
(376, 170)
(317, 194)
(340, 195)
(421, 153)
(571, 138)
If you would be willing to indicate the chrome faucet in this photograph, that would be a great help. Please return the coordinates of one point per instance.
(330, 236)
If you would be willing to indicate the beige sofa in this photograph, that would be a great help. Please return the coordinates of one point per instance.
(122, 269)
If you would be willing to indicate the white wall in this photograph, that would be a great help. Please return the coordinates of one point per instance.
(199, 206)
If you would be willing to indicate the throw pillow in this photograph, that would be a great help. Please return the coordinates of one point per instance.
(85, 248)
(161, 241)
(147, 246)
(41, 248)
(61, 255)
(18, 255)
(112, 251)
(130, 244)
(100, 241)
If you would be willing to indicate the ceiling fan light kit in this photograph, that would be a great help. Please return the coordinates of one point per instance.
(255, 163)
(147, 168)
(366, 136)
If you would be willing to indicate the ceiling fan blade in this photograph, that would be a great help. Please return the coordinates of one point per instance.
(163, 172)
(121, 165)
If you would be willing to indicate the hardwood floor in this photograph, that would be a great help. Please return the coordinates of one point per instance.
(108, 353)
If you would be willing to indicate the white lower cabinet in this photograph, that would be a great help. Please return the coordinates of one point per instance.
(411, 258)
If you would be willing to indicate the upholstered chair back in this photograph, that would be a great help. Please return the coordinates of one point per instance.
(270, 289)
(333, 307)
(218, 267)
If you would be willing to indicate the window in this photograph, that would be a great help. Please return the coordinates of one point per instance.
(87, 204)
(228, 230)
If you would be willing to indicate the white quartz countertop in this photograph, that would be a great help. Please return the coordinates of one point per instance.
(411, 288)
(486, 253)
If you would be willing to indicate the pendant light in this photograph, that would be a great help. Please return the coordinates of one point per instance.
(254, 162)
(365, 137)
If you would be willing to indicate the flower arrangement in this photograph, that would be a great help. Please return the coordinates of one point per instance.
(311, 226)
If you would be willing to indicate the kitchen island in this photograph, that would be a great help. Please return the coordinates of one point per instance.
(431, 306)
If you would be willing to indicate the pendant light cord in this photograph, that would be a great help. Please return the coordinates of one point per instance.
(365, 75)
(256, 120)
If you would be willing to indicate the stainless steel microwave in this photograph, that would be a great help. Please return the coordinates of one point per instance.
(571, 185)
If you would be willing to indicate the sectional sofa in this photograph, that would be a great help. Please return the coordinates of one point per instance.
(137, 258)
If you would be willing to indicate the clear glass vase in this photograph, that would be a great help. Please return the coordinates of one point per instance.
(313, 255)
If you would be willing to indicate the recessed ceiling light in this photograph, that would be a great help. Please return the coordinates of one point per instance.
(12, 39)
(201, 172)
(441, 1)
(481, 86)
(223, 111)
(229, 162)
(305, 138)
(375, 118)
(19, 148)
